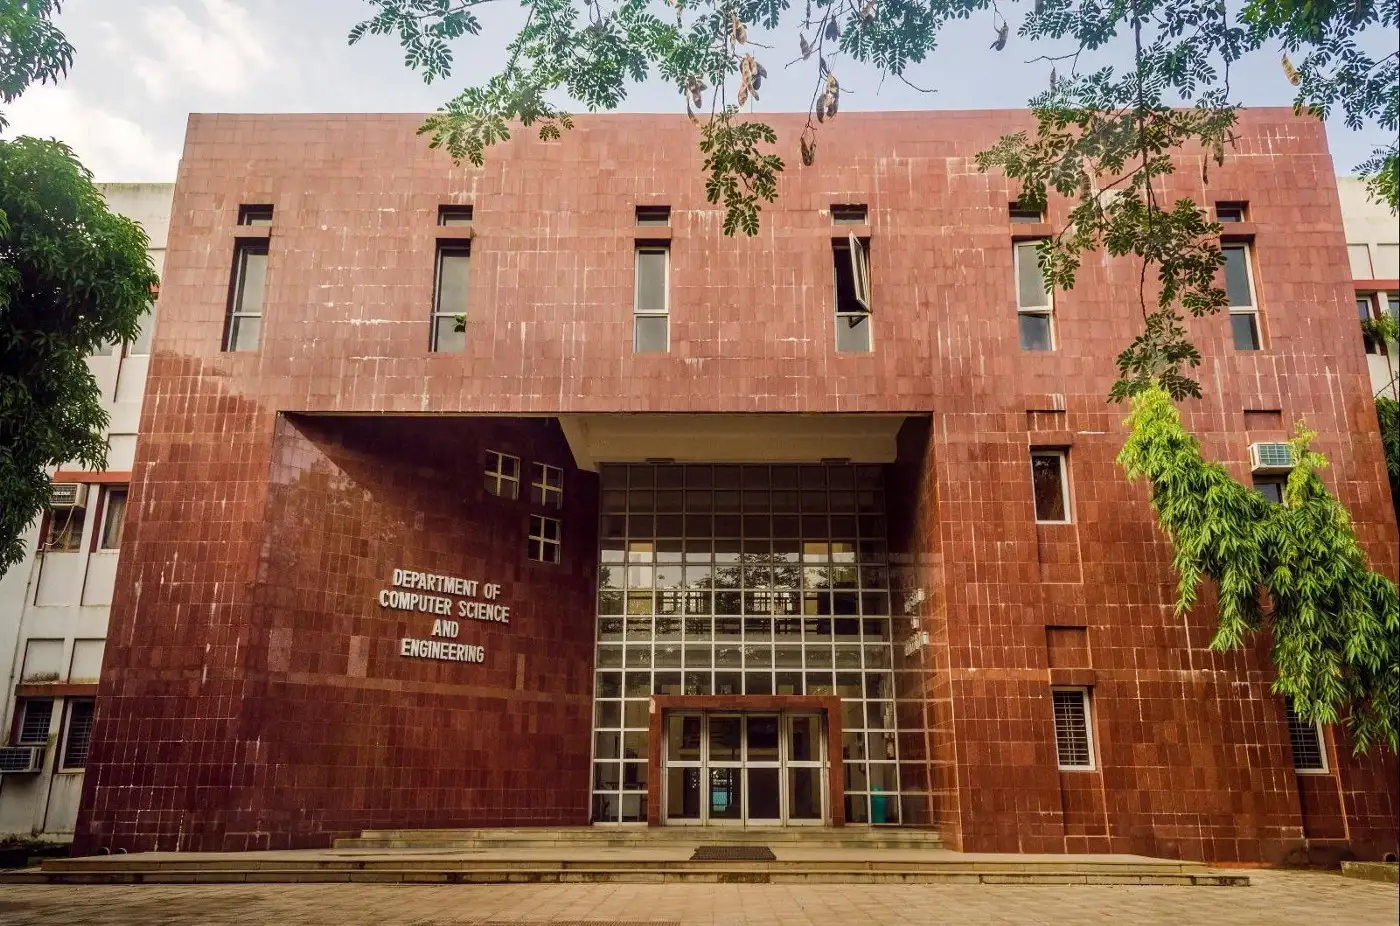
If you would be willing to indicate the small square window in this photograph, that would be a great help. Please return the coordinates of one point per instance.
(544, 539)
(1025, 215)
(35, 716)
(77, 734)
(1050, 484)
(502, 475)
(1227, 213)
(454, 216)
(255, 215)
(853, 214)
(653, 216)
(113, 517)
(1306, 739)
(1271, 487)
(1074, 743)
(547, 487)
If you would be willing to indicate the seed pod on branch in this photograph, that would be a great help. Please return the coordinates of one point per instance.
(738, 31)
(1291, 72)
(808, 144)
(806, 48)
(867, 11)
(1002, 35)
(833, 31)
(696, 88)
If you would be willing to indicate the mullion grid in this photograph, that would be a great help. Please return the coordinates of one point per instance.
(708, 585)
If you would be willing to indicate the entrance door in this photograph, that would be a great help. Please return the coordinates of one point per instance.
(733, 769)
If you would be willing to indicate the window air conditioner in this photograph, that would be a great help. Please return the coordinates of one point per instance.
(68, 495)
(1270, 458)
(21, 760)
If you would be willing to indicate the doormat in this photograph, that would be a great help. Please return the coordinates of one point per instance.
(733, 854)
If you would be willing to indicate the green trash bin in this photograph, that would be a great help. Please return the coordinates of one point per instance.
(878, 801)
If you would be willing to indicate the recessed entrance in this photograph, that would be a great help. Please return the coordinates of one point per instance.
(758, 769)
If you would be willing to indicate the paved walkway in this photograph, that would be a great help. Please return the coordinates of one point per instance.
(1276, 899)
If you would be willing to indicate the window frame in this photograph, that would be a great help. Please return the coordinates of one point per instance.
(444, 249)
(1047, 310)
(242, 249)
(538, 540)
(1018, 214)
(638, 312)
(850, 214)
(1063, 456)
(1086, 701)
(493, 472)
(1252, 309)
(1294, 721)
(540, 479)
(55, 516)
(1239, 209)
(66, 740)
(455, 216)
(256, 215)
(22, 714)
(1261, 480)
(653, 216)
(102, 534)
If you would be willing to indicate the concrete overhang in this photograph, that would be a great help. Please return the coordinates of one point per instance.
(731, 438)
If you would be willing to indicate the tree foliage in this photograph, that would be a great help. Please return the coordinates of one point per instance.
(1294, 570)
(74, 279)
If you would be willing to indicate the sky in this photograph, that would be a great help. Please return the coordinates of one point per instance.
(142, 66)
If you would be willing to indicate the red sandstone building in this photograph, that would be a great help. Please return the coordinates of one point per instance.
(818, 528)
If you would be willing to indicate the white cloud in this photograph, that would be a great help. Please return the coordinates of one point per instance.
(223, 54)
(112, 147)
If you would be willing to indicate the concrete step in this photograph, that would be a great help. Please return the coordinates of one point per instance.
(640, 837)
(675, 874)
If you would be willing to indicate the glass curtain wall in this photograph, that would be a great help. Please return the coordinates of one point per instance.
(750, 579)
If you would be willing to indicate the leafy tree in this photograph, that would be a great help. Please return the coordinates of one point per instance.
(74, 278)
(1105, 137)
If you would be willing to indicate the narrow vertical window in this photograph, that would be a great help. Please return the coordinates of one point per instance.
(544, 539)
(651, 321)
(1239, 289)
(1034, 305)
(547, 486)
(1074, 742)
(142, 344)
(502, 474)
(1305, 737)
(450, 297)
(113, 518)
(34, 722)
(246, 299)
(77, 736)
(1050, 484)
(1365, 313)
(851, 259)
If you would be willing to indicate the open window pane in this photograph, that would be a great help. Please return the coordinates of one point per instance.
(1048, 482)
(1035, 332)
(846, 301)
(1245, 328)
(1030, 282)
(1237, 277)
(113, 519)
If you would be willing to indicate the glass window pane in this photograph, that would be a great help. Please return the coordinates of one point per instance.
(1244, 328)
(1030, 282)
(243, 334)
(651, 280)
(651, 334)
(113, 519)
(142, 344)
(1047, 478)
(453, 276)
(1035, 332)
(446, 338)
(1237, 276)
(252, 278)
(853, 333)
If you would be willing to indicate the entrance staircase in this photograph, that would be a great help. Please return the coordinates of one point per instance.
(852, 855)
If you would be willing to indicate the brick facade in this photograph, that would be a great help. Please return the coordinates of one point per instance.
(252, 694)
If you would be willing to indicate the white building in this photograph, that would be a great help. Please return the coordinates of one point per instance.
(54, 604)
(1373, 243)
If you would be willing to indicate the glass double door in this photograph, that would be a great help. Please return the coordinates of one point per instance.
(760, 769)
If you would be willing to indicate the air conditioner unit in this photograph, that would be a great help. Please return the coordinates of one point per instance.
(1270, 458)
(21, 760)
(68, 495)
